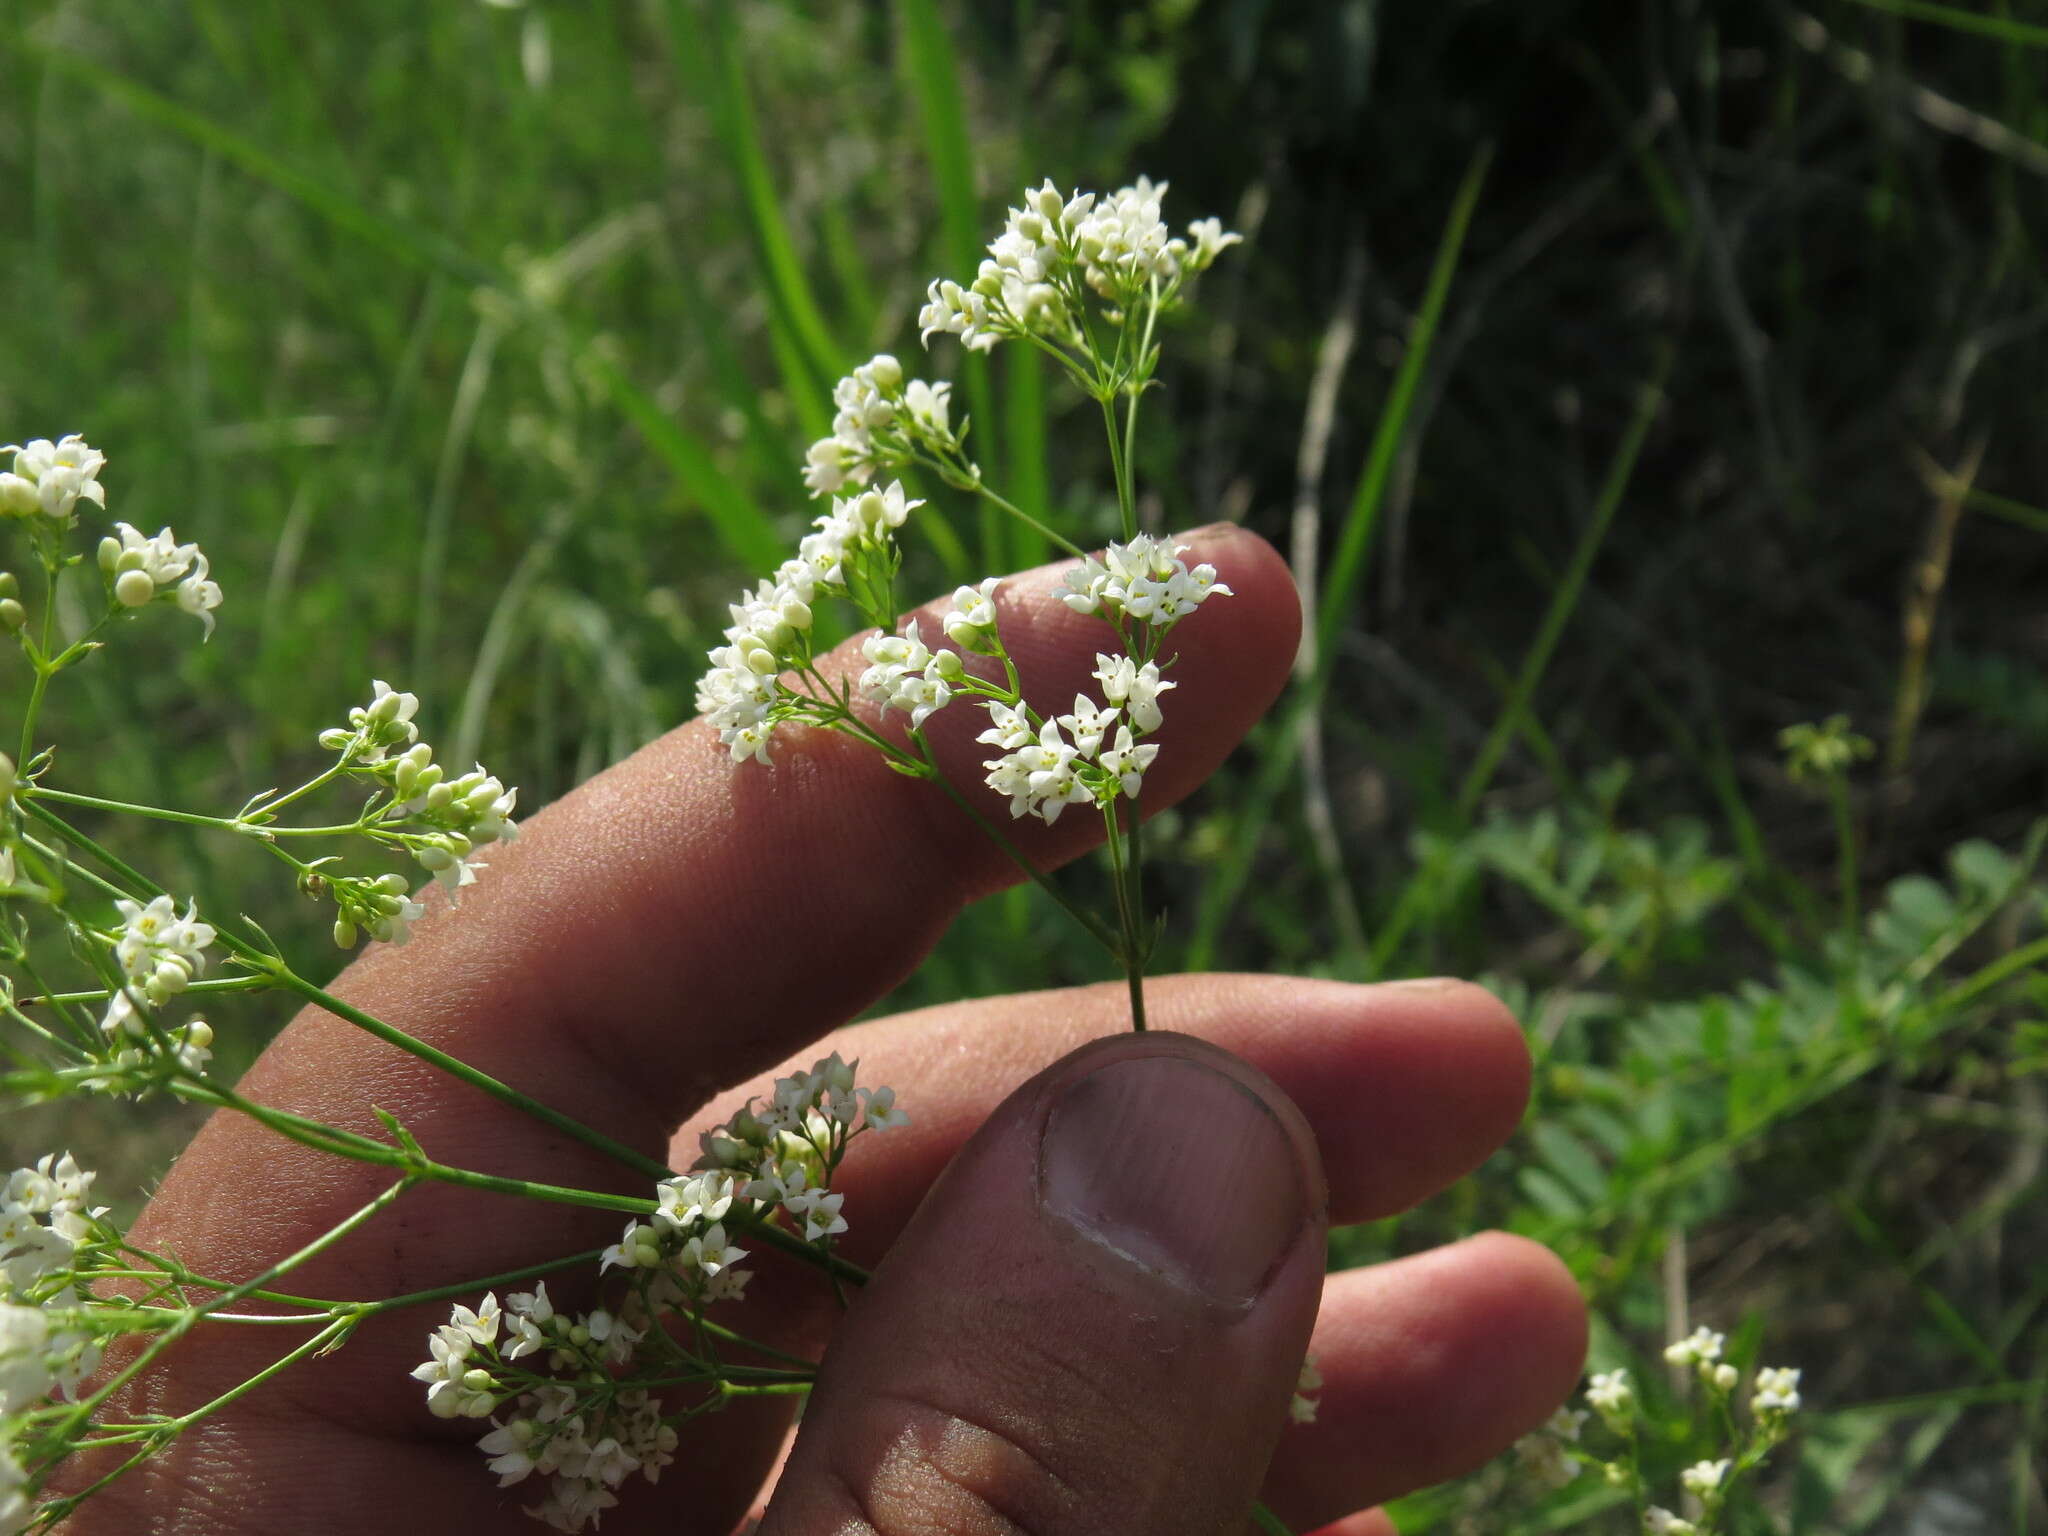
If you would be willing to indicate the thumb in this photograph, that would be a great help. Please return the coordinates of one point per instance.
(1094, 1322)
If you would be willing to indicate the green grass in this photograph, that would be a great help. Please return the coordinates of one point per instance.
(480, 347)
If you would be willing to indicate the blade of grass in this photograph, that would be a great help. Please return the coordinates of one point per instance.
(1565, 600)
(1347, 566)
(1280, 741)
(1562, 604)
(705, 45)
(930, 69)
(1024, 434)
(2025, 34)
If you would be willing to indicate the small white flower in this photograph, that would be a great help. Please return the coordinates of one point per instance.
(1777, 1390)
(1088, 724)
(1658, 1521)
(1208, 240)
(1704, 1477)
(1129, 761)
(929, 405)
(971, 624)
(199, 596)
(1134, 687)
(1702, 1347)
(59, 474)
(879, 1111)
(1010, 727)
(1610, 1393)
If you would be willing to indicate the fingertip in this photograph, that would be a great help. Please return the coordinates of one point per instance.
(1442, 1360)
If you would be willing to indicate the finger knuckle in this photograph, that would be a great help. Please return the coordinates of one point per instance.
(926, 1470)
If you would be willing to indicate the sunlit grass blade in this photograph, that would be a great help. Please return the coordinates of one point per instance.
(706, 48)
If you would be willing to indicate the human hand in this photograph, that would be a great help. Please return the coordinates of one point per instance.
(1090, 1328)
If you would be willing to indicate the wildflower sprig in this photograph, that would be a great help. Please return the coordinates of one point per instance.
(1086, 279)
(1556, 1455)
(589, 1396)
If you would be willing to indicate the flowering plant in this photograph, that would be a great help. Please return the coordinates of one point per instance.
(584, 1398)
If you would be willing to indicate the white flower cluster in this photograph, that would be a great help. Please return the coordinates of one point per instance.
(1702, 1350)
(849, 552)
(49, 478)
(878, 421)
(1031, 281)
(1611, 1396)
(588, 1426)
(380, 905)
(159, 951)
(1776, 1391)
(1145, 580)
(139, 570)
(1064, 761)
(441, 821)
(586, 1432)
(459, 815)
(159, 954)
(374, 728)
(1775, 1398)
(44, 1222)
(903, 674)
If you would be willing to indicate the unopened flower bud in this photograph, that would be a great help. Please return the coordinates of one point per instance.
(199, 1033)
(887, 373)
(393, 884)
(18, 496)
(947, 665)
(12, 614)
(344, 933)
(133, 588)
(8, 585)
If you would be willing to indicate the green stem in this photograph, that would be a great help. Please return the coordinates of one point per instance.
(1269, 1522)
(1016, 855)
(39, 658)
(1002, 503)
(195, 989)
(156, 813)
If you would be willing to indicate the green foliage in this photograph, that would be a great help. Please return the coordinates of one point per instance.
(479, 346)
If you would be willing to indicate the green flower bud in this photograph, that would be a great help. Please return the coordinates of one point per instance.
(133, 588)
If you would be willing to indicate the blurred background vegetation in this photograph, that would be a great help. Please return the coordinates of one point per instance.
(1628, 382)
